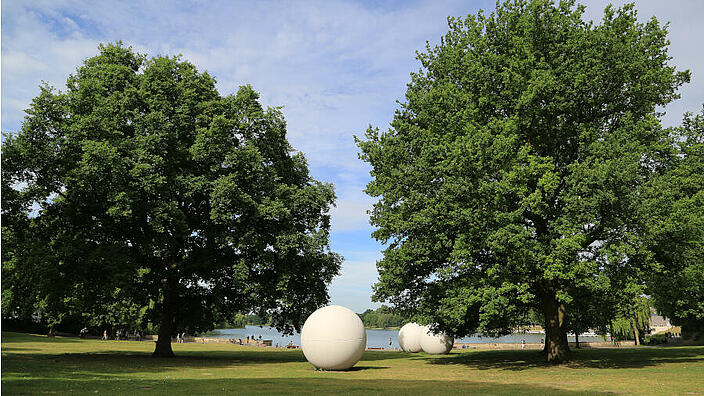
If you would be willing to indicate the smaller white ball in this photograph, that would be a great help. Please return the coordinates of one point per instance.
(333, 338)
(409, 337)
(436, 344)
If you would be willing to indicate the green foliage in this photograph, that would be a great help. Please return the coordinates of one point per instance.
(140, 194)
(239, 321)
(381, 318)
(511, 174)
(673, 217)
(257, 320)
(633, 317)
(592, 310)
(622, 328)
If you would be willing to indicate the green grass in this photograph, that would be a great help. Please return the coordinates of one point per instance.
(34, 364)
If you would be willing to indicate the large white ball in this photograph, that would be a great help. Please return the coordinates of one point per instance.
(409, 337)
(333, 338)
(436, 344)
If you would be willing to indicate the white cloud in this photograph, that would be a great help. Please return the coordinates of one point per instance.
(331, 63)
(32, 53)
(19, 63)
(351, 215)
(353, 288)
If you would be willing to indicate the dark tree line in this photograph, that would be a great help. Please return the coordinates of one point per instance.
(381, 318)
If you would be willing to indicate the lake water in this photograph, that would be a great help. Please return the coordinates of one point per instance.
(376, 338)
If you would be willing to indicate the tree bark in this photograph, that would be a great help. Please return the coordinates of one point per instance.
(576, 339)
(547, 335)
(556, 345)
(166, 325)
(635, 331)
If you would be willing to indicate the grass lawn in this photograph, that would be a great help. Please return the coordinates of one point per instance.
(34, 364)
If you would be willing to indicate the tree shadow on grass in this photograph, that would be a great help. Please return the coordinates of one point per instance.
(587, 358)
(8, 349)
(270, 355)
(275, 385)
(370, 356)
(112, 362)
(362, 368)
(9, 338)
(85, 366)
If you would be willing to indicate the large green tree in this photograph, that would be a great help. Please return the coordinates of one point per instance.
(511, 174)
(142, 185)
(672, 220)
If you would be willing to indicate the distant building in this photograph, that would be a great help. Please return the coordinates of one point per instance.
(658, 323)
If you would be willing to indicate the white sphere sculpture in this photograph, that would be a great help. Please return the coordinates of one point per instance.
(436, 344)
(409, 337)
(333, 338)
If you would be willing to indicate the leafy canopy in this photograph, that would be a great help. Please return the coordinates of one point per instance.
(141, 186)
(673, 220)
(510, 177)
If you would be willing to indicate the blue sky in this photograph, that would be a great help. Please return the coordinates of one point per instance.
(335, 66)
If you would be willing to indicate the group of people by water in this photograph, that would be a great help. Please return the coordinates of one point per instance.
(247, 341)
(120, 334)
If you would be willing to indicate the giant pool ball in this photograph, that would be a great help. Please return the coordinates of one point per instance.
(435, 343)
(409, 337)
(333, 338)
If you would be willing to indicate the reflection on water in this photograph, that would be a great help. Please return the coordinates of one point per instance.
(375, 338)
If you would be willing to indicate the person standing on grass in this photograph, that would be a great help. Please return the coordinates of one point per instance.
(105, 334)
(523, 344)
(391, 343)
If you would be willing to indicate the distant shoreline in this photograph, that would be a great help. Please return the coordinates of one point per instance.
(367, 328)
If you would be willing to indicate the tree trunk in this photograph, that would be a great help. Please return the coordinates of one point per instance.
(576, 339)
(547, 335)
(556, 344)
(166, 325)
(635, 331)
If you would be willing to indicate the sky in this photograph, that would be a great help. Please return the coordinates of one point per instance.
(336, 67)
